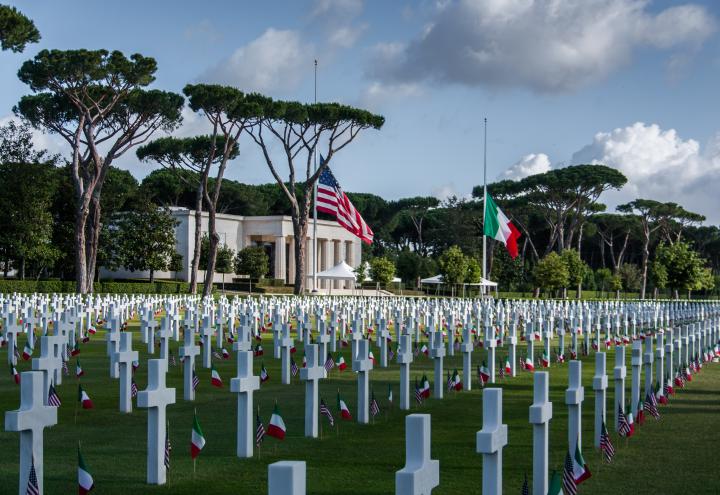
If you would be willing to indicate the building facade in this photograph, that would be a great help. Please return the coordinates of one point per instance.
(273, 233)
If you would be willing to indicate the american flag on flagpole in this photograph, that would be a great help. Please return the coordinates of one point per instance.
(331, 199)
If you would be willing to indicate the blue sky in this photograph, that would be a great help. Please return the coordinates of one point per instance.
(630, 83)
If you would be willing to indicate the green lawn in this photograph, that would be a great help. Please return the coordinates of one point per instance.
(673, 455)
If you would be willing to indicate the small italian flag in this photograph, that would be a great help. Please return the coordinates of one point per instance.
(343, 408)
(580, 469)
(14, 373)
(84, 398)
(29, 346)
(78, 369)
(76, 349)
(215, 377)
(484, 373)
(529, 364)
(85, 479)
(390, 394)
(425, 387)
(499, 227)
(545, 360)
(457, 383)
(341, 363)
(508, 368)
(555, 487)
(276, 427)
(197, 441)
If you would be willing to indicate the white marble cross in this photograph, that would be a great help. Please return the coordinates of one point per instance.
(540, 416)
(383, 335)
(467, 348)
(648, 358)
(30, 420)
(437, 352)
(636, 362)
(165, 335)
(206, 338)
(362, 365)
(323, 339)
(404, 358)
(574, 396)
(287, 478)
(600, 385)
(491, 440)
(55, 343)
(420, 474)
(113, 339)
(187, 353)
(12, 329)
(311, 374)
(48, 363)
(156, 398)
(286, 343)
(244, 384)
(619, 373)
(125, 357)
(152, 324)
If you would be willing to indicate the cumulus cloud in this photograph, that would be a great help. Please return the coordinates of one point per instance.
(534, 163)
(546, 45)
(377, 94)
(276, 60)
(659, 164)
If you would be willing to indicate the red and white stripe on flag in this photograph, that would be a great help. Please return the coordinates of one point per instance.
(331, 199)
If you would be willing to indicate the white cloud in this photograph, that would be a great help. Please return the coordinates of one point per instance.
(346, 36)
(660, 165)
(534, 163)
(276, 60)
(53, 143)
(377, 95)
(338, 8)
(547, 45)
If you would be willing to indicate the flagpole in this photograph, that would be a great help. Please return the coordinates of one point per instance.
(314, 264)
(484, 251)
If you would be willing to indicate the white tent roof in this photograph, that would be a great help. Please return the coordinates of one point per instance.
(396, 280)
(341, 271)
(437, 279)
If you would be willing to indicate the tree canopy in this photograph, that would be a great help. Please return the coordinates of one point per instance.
(16, 30)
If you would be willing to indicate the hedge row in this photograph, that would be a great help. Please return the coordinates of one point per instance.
(47, 286)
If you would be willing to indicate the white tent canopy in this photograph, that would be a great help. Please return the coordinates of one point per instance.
(341, 271)
(438, 279)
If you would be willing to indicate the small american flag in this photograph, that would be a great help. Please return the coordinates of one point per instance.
(259, 431)
(66, 371)
(329, 363)
(391, 354)
(53, 397)
(216, 354)
(33, 488)
(133, 388)
(651, 406)
(501, 370)
(418, 395)
(168, 447)
(293, 367)
(623, 425)
(568, 480)
(195, 381)
(331, 199)
(606, 446)
(525, 488)
(325, 411)
(374, 407)
(172, 359)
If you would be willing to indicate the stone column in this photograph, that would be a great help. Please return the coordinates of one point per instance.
(349, 258)
(291, 260)
(280, 257)
(309, 263)
(327, 257)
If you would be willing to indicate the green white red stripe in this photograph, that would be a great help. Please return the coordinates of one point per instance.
(85, 479)
(276, 426)
(499, 227)
(197, 440)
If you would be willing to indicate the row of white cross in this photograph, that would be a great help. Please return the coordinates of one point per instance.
(698, 331)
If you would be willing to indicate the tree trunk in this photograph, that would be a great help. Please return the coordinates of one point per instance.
(93, 239)
(152, 275)
(212, 252)
(300, 227)
(198, 239)
(81, 215)
(22, 268)
(645, 257)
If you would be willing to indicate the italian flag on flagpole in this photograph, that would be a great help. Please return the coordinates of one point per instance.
(276, 427)
(85, 479)
(555, 487)
(84, 398)
(197, 441)
(499, 227)
(343, 408)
